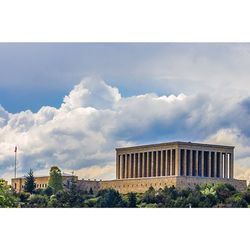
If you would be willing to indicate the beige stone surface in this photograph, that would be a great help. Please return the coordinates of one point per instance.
(178, 160)
(140, 185)
(41, 182)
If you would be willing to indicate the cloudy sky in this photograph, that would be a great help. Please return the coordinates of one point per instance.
(72, 104)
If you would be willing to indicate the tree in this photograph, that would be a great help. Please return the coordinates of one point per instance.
(90, 202)
(7, 198)
(236, 201)
(37, 201)
(149, 196)
(60, 199)
(224, 191)
(131, 199)
(246, 195)
(30, 185)
(110, 198)
(75, 198)
(48, 191)
(55, 179)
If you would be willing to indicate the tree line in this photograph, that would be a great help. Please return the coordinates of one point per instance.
(61, 195)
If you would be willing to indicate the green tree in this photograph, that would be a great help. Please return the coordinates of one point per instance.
(37, 201)
(55, 179)
(149, 196)
(7, 198)
(131, 199)
(236, 200)
(75, 196)
(23, 197)
(224, 191)
(60, 199)
(246, 195)
(48, 191)
(110, 198)
(92, 202)
(29, 185)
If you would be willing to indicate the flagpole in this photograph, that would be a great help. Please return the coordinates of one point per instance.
(15, 159)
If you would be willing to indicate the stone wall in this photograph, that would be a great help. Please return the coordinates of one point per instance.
(143, 184)
(86, 185)
(41, 182)
(185, 182)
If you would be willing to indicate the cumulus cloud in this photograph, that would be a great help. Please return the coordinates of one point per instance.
(94, 118)
(92, 92)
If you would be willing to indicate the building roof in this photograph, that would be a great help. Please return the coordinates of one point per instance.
(176, 143)
(45, 176)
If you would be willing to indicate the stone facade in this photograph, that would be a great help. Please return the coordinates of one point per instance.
(175, 159)
(179, 164)
(87, 185)
(41, 182)
(141, 185)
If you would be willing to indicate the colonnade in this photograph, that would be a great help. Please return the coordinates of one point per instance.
(175, 162)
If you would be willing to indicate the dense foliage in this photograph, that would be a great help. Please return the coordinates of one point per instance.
(55, 179)
(7, 198)
(206, 196)
(30, 185)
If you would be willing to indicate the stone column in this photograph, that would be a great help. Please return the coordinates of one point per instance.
(120, 165)
(128, 164)
(152, 163)
(148, 163)
(117, 166)
(209, 164)
(202, 163)
(160, 162)
(124, 166)
(156, 163)
(197, 163)
(191, 163)
(145, 160)
(185, 162)
(167, 167)
(163, 164)
(232, 165)
(134, 168)
(145, 164)
(177, 162)
(131, 166)
(226, 166)
(170, 162)
(221, 165)
(215, 164)
(139, 165)
(142, 166)
(126, 169)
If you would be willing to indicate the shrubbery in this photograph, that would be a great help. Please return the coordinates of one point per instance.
(206, 196)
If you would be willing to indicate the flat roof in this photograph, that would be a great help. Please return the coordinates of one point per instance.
(44, 176)
(176, 143)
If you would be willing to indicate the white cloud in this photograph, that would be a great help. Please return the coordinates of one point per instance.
(91, 92)
(94, 118)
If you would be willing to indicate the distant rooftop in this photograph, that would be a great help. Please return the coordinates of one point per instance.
(175, 142)
(46, 176)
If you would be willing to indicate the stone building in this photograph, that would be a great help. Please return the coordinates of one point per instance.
(175, 159)
(40, 181)
(179, 164)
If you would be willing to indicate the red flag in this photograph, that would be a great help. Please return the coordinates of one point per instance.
(15, 149)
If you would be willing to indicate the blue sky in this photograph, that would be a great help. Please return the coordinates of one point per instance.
(72, 104)
(34, 74)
